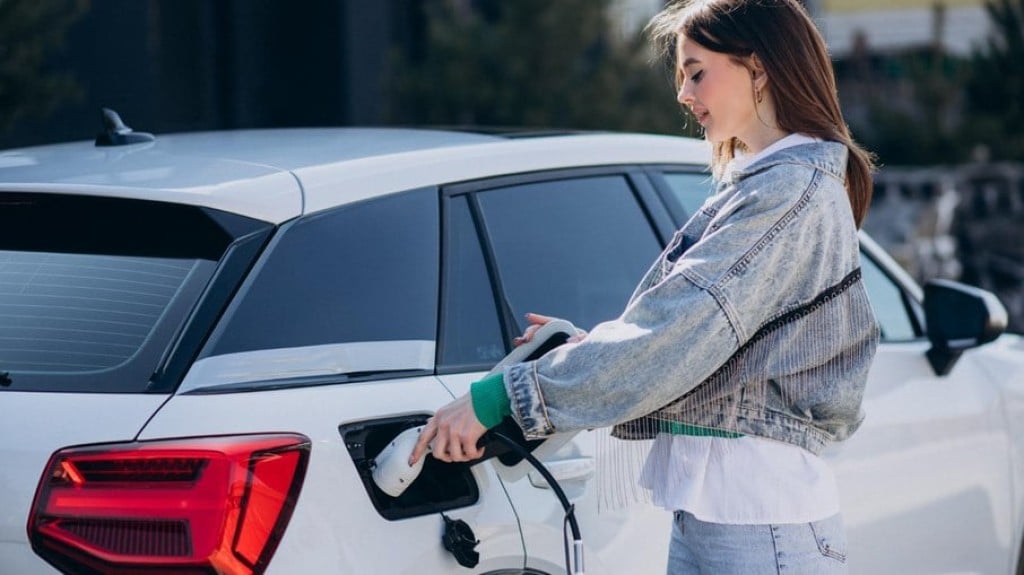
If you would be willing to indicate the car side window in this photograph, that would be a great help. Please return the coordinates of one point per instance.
(572, 248)
(471, 332)
(888, 301)
(690, 189)
(366, 272)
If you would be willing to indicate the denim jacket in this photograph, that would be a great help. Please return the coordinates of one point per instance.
(753, 320)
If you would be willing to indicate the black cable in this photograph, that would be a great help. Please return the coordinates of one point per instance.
(565, 538)
(570, 511)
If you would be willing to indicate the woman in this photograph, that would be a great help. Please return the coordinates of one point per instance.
(744, 351)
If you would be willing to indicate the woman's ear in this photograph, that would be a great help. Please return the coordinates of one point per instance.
(757, 73)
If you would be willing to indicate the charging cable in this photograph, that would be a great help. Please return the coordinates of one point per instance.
(392, 474)
(576, 566)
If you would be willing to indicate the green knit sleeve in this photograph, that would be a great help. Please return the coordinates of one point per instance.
(490, 402)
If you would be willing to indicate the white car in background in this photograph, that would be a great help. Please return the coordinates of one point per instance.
(205, 338)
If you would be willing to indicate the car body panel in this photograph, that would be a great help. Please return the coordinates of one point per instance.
(617, 539)
(252, 190)
(275, 175)
(348, 181)
(1002, 360)
(335, 528)
(933, 452)
(629, 537)
(33, 427)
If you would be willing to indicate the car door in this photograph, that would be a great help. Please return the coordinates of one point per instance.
(924, 483)
(332, 336)
(570, 244)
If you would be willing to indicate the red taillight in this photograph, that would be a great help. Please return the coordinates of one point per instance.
(185, 506)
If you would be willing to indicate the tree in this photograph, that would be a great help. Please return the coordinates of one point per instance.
(30, 30)
(531, 63)
(995, 89)
(926, 128)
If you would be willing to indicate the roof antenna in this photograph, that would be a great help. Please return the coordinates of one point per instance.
(115, 133)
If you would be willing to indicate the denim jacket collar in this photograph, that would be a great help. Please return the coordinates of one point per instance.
(829, 157)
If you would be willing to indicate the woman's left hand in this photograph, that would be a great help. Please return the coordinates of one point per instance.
(454, 431)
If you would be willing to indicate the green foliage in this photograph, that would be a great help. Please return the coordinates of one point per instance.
(995, 89)
(30, 30)
(531, 63)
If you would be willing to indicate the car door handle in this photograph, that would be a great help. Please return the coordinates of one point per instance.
(576, 469)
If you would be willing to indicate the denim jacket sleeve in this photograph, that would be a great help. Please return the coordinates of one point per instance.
(756, 254)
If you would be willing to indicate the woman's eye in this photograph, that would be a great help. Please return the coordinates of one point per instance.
(696, 77)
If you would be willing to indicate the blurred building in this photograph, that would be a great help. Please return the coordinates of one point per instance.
(884, 25)
(177, 65)
(891, 26)
(959, 223)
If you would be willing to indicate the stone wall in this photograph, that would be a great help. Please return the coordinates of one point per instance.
(964, 223)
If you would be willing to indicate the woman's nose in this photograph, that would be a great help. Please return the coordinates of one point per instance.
(685, 96)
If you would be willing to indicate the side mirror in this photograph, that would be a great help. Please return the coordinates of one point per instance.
(959, 317)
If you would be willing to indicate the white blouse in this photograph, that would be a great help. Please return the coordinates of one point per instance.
(746, 480)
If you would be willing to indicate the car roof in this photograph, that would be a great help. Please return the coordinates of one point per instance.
(276, 175)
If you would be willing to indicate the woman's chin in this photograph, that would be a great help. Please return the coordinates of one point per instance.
(717, 137)
(711, 134)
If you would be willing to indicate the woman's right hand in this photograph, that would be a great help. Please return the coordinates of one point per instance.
(536, 321)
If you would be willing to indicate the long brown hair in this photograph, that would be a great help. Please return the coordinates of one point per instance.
(800, 77)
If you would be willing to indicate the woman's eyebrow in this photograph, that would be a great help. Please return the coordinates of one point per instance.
(690, 62)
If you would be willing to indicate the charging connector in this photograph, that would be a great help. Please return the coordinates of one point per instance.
(391, 469)
(393, 474)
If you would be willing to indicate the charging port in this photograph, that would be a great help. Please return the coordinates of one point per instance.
(440, 487)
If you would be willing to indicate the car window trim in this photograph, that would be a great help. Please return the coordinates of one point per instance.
(505, 320)
(656, 173)
(238, 259)
(910, 293)
(250, 369)
(653, 205)
(522, 178)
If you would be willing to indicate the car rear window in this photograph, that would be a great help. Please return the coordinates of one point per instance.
(93, 290)
(73, 313)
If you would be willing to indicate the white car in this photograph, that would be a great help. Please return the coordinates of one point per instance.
(206, 338)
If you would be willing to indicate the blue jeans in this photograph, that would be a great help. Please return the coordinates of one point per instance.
(817, 548)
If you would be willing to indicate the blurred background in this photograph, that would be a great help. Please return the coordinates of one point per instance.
(935, 88)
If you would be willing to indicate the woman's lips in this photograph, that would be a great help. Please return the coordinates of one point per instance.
(701, 116)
